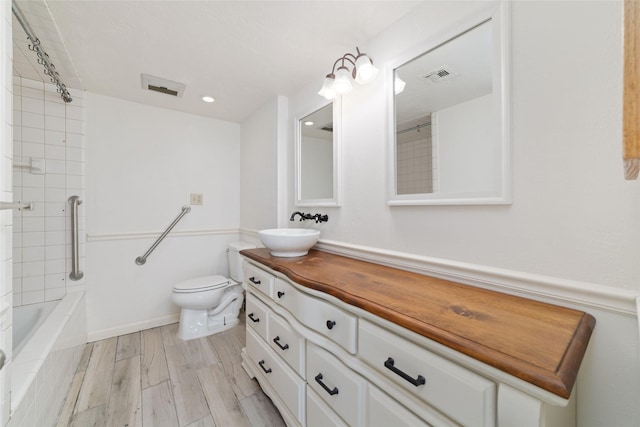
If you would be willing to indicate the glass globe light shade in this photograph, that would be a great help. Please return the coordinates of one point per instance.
(343, 80)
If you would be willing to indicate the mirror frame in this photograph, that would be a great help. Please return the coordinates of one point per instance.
(337, 157)
(498, 14)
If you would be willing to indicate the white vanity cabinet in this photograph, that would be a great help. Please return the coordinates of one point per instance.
(325, 357)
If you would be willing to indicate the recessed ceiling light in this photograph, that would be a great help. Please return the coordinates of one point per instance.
(208, 98)
(309, 123)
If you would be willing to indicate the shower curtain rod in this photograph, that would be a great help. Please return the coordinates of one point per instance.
(43, 57)
(416, 127)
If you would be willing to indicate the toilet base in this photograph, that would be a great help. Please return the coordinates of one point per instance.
(202, 323)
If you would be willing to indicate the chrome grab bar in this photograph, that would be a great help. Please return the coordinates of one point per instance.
(75, 274)
(16, 205)
(142, 259)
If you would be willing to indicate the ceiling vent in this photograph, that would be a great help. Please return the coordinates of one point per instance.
(161, 85)
(440, 74)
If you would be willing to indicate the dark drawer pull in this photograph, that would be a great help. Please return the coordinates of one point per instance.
(266, 371)
(416, 382)
(324, 386)
(254, 281)
(253, 319)
(331, 324)
(277, 341)
(280, 294)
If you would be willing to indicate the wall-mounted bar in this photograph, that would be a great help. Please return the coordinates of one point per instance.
(35, 166)
(75, 274)
(43, 57)
(142, 259)
(28, 206)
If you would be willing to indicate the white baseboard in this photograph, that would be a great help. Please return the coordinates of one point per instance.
(133, 327)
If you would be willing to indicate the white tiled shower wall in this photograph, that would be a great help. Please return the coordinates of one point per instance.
(6, 227)
(50, 131)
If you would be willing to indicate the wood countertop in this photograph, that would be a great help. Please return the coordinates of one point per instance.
(537, 342)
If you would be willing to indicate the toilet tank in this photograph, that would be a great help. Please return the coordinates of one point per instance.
(235, 260)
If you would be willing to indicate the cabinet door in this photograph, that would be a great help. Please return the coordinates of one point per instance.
(257, 315)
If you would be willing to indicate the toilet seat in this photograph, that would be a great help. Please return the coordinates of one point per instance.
(201, 284)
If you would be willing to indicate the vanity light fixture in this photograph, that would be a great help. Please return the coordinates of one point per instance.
(398, 84)
(338, 81)
(207, 98)
(308, 123)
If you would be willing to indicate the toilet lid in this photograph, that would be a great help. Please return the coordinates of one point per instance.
(204, 283)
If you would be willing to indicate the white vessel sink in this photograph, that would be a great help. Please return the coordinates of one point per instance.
(289, 242)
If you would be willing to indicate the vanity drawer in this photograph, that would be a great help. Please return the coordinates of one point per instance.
(383, 411)
(316, 314)
(319, 414)
(342, 389)
(464, 396)
(286, 343)
(257, 313)
(290, 388)
(258, 279)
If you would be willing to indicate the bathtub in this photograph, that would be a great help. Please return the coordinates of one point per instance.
(48, 342)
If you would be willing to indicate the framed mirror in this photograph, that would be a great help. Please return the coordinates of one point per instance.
(317, 148)
(449, 117)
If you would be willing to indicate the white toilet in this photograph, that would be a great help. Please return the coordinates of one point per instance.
(211, 304)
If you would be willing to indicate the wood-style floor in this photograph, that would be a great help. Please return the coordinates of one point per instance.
(152, 378)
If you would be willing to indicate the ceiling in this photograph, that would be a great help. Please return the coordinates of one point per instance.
(240, 52)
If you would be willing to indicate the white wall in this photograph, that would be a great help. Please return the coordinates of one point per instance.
(571, 235)
(263, 166)
(142, 164)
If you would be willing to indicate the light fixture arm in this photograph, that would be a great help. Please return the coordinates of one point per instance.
(337, 82)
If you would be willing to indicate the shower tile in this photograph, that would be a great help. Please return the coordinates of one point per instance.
(75, 154)
(34, 120)
(75, 126)
(56, 280)
(55, 252)
(74, 168)
(32, 135)
(55, 266)
(54, 238)
(55, 180)
(55, 223)
(54, 109)
(56, 152)
(33, 284)
(32, 149)
(33, 239)
(56, 166)
(32, 224)
(31, 180)
(35, 253)
(54, 209)
(74, 140)
(75, 181)
(33, 194)
(31, 269)
(54, 123)
(32, 105)
(53, 295)
(17, 299)
(53, 137)
(33, 84)
(17, 147)
(75, 112)
(32, 297)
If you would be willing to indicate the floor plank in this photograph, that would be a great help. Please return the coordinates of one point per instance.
(225, 408)
(96, 387)
(154, 368)
(158, 407)
(128, 346)
(125, 406)
(205, 422)
(66, 413)
(231, 361)
(260, 411)
(94, 417)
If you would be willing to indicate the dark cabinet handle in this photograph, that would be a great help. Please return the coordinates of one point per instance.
(324, 386)
(266, 371)
(253, 319)
(415, 381)
(277, 341)
(280, 294)
(330, 324)
(254, 281)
